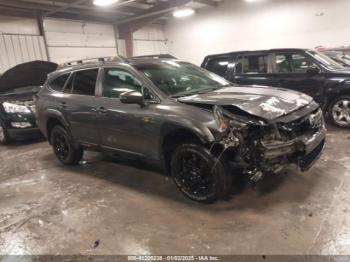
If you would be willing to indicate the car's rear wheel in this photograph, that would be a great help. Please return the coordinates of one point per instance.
(339, 111)
(64, 148)
(4, 137)
(199, 174)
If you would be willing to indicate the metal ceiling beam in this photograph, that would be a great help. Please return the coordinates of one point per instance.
(9, 11)
(208, 2)
(21, 5)
(159, 9)
(65, 7)
(88, 6)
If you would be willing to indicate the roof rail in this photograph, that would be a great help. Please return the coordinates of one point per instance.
(117, 58)
(168, 56)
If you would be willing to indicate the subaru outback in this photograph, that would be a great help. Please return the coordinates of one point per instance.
(196, 125)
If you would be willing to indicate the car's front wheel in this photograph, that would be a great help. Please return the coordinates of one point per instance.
(4, 137)
(199, 174)
(64, 148)
(339, 111)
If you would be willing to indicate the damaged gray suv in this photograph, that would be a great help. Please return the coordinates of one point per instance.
(193, 123)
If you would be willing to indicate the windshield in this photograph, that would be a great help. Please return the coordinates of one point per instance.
(325, 60)
(181, 79)
(21, 90)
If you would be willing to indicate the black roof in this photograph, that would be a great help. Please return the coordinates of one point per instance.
(262, 50)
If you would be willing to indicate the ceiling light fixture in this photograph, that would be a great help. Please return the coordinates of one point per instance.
(104, 2)
(183, 12)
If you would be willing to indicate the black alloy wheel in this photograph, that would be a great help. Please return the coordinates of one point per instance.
(199, 175)
(63, 147)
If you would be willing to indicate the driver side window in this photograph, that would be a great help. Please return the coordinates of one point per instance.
(293, 63)
(118, 81)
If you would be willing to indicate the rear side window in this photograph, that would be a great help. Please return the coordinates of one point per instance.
(59, 83)
(252, 64)
(218, 65)
(85, 82)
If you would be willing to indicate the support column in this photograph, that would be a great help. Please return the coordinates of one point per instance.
(126, 33)
(42, 33)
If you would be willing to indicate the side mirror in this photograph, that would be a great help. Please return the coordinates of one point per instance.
(132, 97)
(312, 71)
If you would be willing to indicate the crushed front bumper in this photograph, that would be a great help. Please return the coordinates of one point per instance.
(304, 150)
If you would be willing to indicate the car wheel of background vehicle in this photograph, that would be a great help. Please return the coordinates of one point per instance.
(339, 111)
(63, 147)
(4, 137)
(199, 175)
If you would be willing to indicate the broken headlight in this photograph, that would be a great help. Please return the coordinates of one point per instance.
(220, 119)
(13, 108)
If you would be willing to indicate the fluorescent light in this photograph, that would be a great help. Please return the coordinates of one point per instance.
(183, 12)
(104, 2)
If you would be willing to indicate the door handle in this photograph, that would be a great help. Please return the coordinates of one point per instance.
(102, 109)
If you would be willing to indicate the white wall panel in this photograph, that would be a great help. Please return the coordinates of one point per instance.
(18, 25)
(150, 40)
(17, 49)
(242, 25)
(63, 54)
(149, 47)
(152, 32)
(71, 40)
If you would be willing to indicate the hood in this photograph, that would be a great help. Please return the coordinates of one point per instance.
(27, 74)
(263, 102)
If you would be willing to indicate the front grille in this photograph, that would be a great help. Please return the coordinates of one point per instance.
(301, 126)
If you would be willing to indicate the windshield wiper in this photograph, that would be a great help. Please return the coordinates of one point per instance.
(199, 92)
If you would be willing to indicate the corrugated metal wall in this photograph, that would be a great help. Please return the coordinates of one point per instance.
(17, 49)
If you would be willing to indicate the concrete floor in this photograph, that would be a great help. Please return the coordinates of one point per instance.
(47, 208)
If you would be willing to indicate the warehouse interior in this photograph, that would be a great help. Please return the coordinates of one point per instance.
(129, 207)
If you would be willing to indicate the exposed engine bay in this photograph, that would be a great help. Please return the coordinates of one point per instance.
(269, 146)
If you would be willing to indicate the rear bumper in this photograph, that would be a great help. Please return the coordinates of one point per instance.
(303, 151)
(24, 134)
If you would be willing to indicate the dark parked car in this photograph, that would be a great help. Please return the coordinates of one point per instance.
(193, 123)
(301, 70)
(17, 88)
(17, 119)
(338, 57)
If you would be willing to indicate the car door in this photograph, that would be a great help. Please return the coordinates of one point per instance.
(124, 127)
(251, 68)
(77, 103)
(291, 71)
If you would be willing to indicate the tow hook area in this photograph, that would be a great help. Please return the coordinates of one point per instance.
(255, 175)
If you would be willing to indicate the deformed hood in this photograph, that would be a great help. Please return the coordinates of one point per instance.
(264, 102)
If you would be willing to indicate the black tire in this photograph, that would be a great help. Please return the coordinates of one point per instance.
(199, 175)
(334, 111)
(63, 147)
(4, 136)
